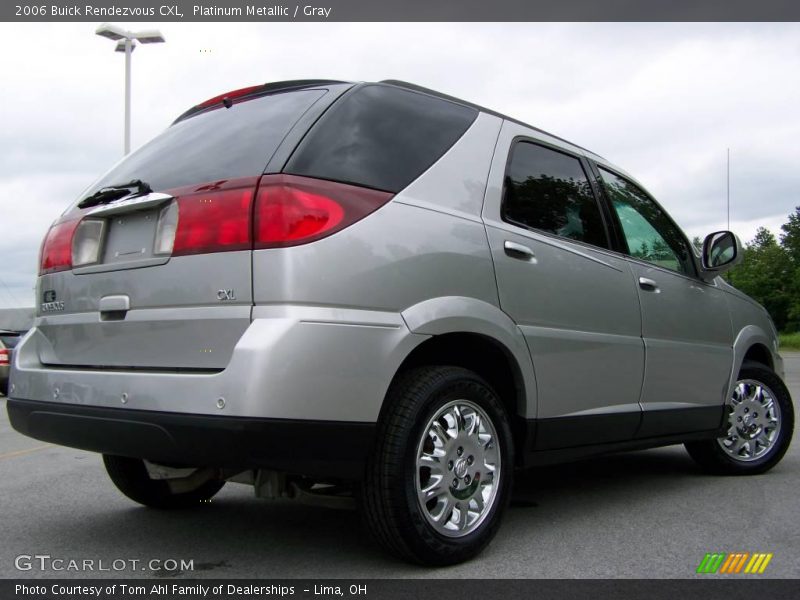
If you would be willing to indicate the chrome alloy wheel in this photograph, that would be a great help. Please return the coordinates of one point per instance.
(458, 469)
(754, 421)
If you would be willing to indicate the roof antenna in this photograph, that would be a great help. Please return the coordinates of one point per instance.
(227, 102)
(729, 189)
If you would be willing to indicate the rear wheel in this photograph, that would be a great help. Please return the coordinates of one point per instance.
(131, 478)
(439, 479)
(760, 426)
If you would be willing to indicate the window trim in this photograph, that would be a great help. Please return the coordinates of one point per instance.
(587, 171)
(623, 243)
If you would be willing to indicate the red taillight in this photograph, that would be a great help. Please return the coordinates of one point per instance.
(3, 357)
(56, 254)
(220, 217)
(215, 221)
(287, 214)
(292, 210)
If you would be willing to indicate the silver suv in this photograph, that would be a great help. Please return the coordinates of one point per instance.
(308, 285)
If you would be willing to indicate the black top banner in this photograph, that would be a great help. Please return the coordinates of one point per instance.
(401, 10)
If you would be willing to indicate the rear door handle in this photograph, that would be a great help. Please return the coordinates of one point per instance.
(114, 303)
(515, 250)
(114, 308)
(648, 284)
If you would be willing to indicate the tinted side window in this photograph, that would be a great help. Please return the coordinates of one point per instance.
(648, 232)
(549, 190)
(380, 137)
(225, 143)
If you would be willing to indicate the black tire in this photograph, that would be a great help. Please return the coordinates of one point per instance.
(131, 478)
(712, 458)
(392, 512)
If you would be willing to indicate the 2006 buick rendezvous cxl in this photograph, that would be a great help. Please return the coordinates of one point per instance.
(310, 284)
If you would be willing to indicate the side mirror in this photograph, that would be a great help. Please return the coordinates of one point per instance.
(722, 250)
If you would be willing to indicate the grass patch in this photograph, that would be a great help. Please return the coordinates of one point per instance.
(790, 341)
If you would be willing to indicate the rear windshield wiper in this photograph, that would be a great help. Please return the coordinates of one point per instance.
(114, 192)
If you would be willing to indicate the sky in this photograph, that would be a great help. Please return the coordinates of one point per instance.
(662, 101)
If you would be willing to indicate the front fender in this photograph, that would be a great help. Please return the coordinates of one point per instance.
(749, 336)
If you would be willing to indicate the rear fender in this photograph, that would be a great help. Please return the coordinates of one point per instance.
(458, 314)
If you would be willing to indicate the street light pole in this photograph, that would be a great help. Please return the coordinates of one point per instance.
(128, 51)
(126, 42)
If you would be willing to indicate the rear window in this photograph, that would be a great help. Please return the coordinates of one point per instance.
(225, 143)
(380, 137)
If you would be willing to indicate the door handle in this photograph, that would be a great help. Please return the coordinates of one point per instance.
(515, 250)
(114, 308)
(648, 284)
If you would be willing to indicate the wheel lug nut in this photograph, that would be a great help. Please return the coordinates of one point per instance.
(460, 451)
(455, 483)
(466, 479)
(470, 460)
(449, 465)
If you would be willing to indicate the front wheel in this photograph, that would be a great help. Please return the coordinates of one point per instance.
(439, 479)
(760, 426)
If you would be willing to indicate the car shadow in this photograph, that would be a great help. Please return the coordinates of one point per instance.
(659, 468)
(236, 534)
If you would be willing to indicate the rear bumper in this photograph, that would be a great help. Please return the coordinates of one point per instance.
(301, 394)
(334, 449)
(292, 362)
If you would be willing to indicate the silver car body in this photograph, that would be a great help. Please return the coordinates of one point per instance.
(318, 331)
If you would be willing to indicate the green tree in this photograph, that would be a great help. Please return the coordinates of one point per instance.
(790, 241)
(767, 275)
(643, 252)
(661, 251)
(790, 238)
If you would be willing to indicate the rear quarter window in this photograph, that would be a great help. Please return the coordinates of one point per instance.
(380, 137)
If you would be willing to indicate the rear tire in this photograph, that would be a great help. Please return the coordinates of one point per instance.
(439, 479)
(760, 426)
(131, 478)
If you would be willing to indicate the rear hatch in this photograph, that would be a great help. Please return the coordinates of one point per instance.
(151, 268)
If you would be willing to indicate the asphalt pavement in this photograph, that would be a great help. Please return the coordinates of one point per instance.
(637, 515)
